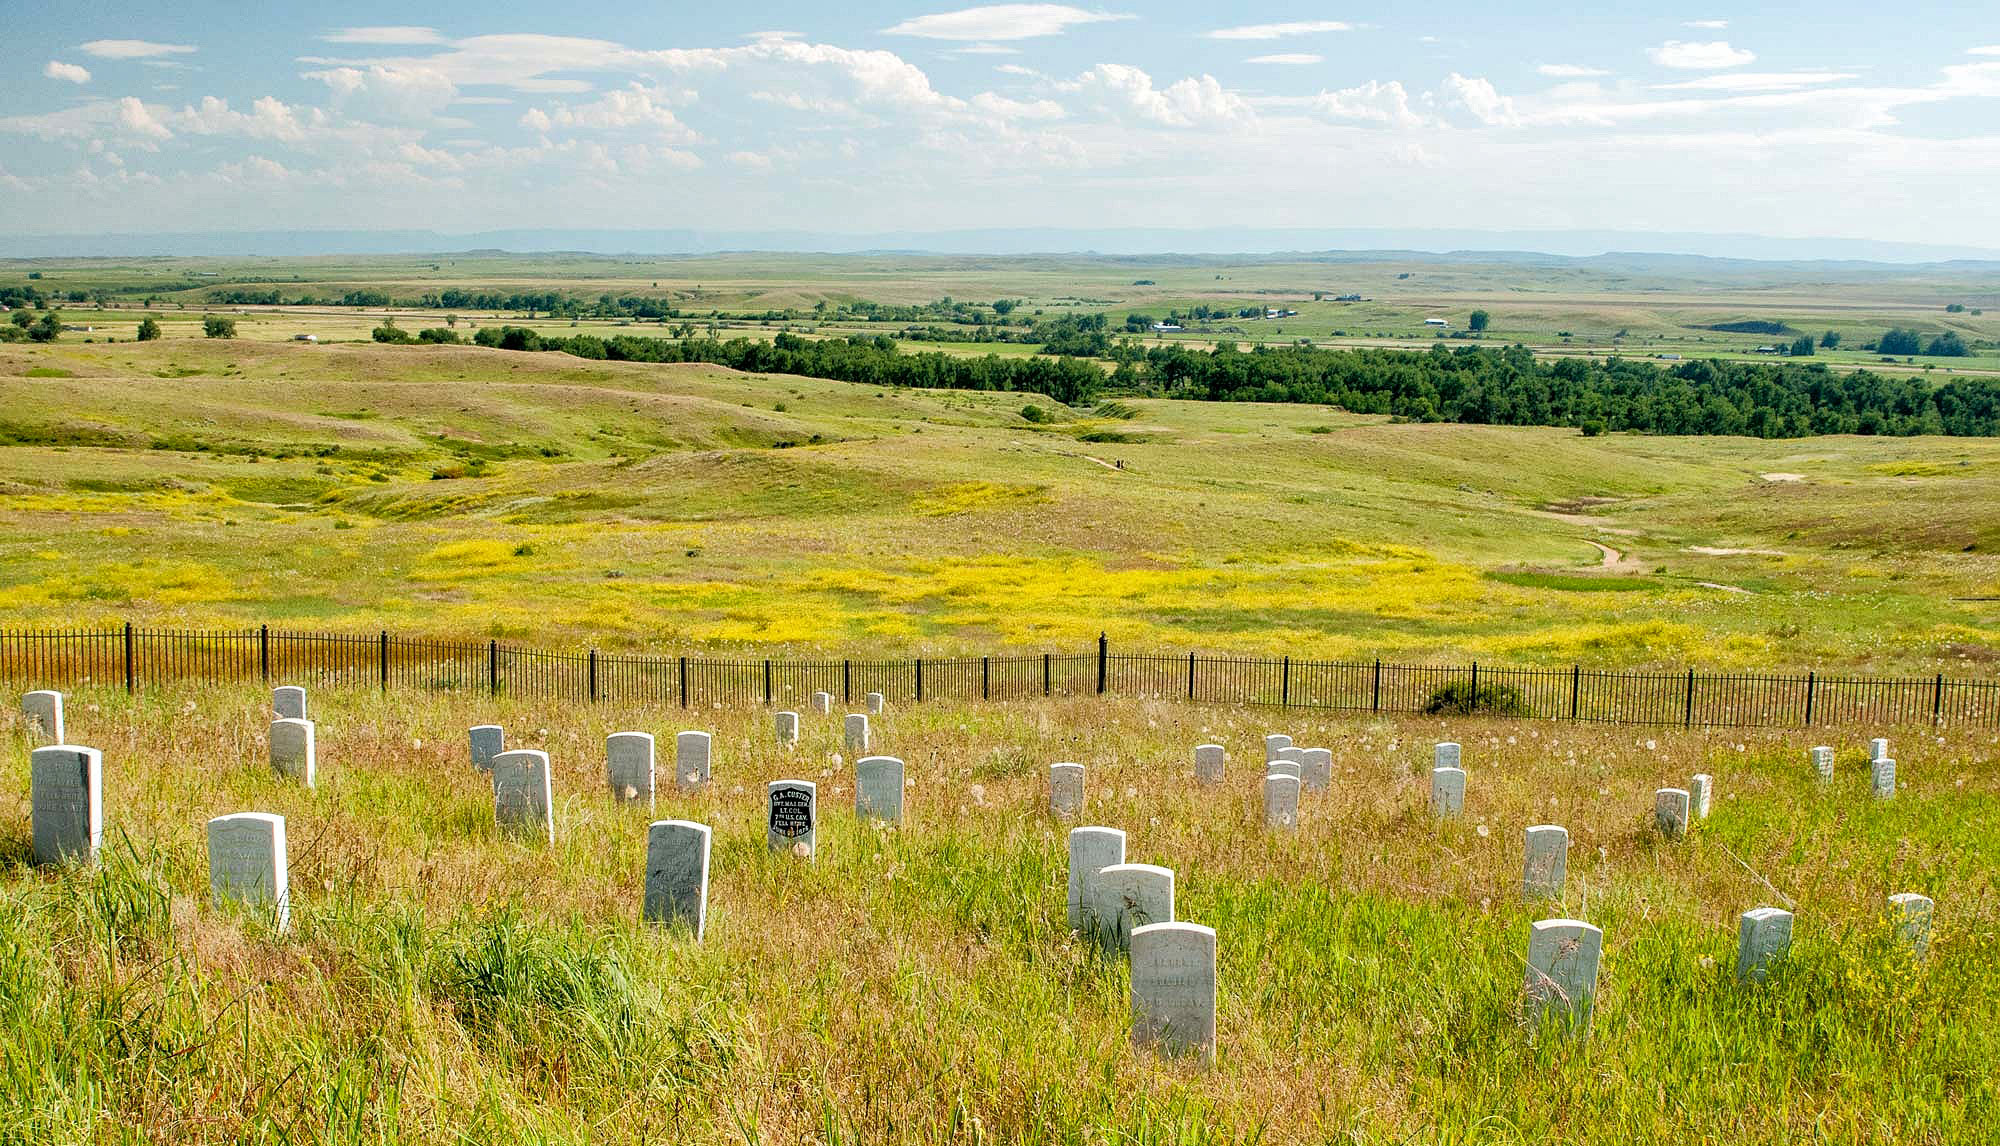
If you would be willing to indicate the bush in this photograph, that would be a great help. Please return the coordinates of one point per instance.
(214, 327)
(1592, 427)
(391, 333)
(148, 330)
(1458, 699)
(1034, 413)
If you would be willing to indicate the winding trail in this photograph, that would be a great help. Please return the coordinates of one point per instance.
(1611, 556)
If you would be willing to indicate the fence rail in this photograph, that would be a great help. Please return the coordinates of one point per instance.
(134, 657)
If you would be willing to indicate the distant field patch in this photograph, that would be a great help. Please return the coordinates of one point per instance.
(1922, 469)
(1571, 583)
(48, 372)
(972, 496)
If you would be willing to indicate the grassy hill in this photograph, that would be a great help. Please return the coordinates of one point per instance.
(462, 491)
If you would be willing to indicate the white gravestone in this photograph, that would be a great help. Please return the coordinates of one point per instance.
(247, 863)
(486, 741)
(1316, 770)
(293, 753)
(691, 760)
(1822, 762)
(1173, 988)
(793, 823)
(822, 703)
(523, 794)
(288, 702)
(629, 767)
(1878, 749)
(878, 788)
(677, 874)
(1447, 755)
(44, 710)
(1882, 778)
(1670, 812)
(786, 727)
(1272, 743)
(854, 734)
(1281, 800)
(1066, 790)
(1091, 850)
(1129, 895)
(1763, 935)
(1562, 972)
(1546, 868)
(1910, 917)
(874, 705)
(1282, 768)
(66, 793)
(1447, 792)
(1208, 763)
(1701, 790)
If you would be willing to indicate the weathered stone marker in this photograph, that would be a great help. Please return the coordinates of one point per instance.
(1282, 768)
(1700, 789)
(677, 874)
(1561, 982)
(794, 819)
(486, 741)
(1763, 936)
(1878, 748)
(1546, 869)
(874, 704)
(1066, 790)
(1447, 755)
(786, 726)
(1281, 800)
(523, 794)
(1670, 812)
(1208, 763)
(247, 863)
(1091, 850)
(1316, 769)
(293, 754)
(44, 710)
(691, 751)
(1822, 762)
(1447, 792)
(1129, 895)
(1882, 778)
(66, 795)
(855, 735)
(288, 702)
(1173, 988)
(1910, 916)
(878, 788)
(629, 766)
(1272, 743)
(822, 703)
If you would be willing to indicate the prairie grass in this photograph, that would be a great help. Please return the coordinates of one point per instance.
(444, 982)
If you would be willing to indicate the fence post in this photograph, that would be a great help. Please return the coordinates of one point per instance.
(1812, 686)
(684, 682)
(1103, 654)
(593, 676)
(128, 658)
(1575, 690)
(1472, 702)
(264, 653)
(847, 682)
(920, 680)
(1375, 704)
(493, 668)
(1190, 676)
(986, 678)
(1047, 682)
(1285, 684)
(767, 680)
(1937, 701)
(1687, 721)
(385, 660)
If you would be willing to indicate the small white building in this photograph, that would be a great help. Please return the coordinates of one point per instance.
(1166, 327)
(1438, 322)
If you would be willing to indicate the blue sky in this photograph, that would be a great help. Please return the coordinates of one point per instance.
(1856, 120)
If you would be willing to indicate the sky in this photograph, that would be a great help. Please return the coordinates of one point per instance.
(1845, 119)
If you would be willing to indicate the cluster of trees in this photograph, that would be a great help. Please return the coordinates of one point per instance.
(24, 327)
(391, 333)
(1907, 342)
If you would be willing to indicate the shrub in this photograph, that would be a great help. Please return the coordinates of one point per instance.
(214, 327)
(1592, 427)
(1459, 699)
(1034, 413)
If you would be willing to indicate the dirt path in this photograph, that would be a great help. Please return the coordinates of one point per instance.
(1611, 556)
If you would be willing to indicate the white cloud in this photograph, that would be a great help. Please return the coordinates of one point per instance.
(1121, 89)
(1280, 31)
(1287, 58)
(1706, 25)
(1700, 57)
(1989, 50)
(1756, 82)
(1571, 71)
(635, 107)
(57, 70)
(1002, 108)
(986, 50)
(268, 118)
(999, 22)
(384, 34)
(389, 92)
(133, 49)
(136, 119)
(1477, 96)
(1387, 104)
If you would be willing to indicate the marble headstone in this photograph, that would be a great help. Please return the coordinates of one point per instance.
(1281, 800)
(1882, 778)
(66, 795)
(677, 874)
(1173, 988)
(44, 710)
(793, 821)
(1910, 916)
(486, 742)
(288, 702)
(1316, 769)
(1670, 812)
(1447, 792)
(1066, 790)
(1763, 935)
(875, 703)
(293, 753)
(1701, 790)
(854, 732)
(1561, 981)
(1129, 895)
(691, 762)
(822, 703)
(1822, 762)
(523, 794)
(785, 726)
(1447, 755)
(629, 766)
(1272, 743)
(878, 788)
(1546, 867)
(247, 863)
(1091, 850)
(1208, 763)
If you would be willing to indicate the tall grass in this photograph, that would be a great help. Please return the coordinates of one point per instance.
(443, 982)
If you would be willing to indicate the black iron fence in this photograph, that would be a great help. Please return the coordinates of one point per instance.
(134, 657)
